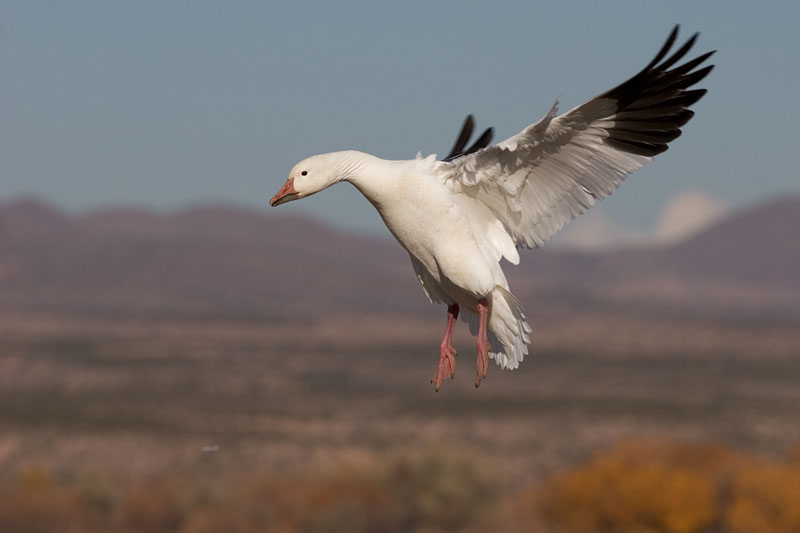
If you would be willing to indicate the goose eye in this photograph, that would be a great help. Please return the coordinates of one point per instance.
(303, 173)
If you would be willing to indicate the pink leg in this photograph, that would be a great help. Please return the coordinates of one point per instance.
(447, 354)
(483, 341)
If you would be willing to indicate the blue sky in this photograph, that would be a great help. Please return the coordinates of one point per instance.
(168, 104)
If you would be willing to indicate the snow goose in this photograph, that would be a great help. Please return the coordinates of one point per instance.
(459, 216)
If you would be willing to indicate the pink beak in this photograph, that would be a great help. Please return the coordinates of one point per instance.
(286, 194)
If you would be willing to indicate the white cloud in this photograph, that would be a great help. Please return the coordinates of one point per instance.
(683, 215)
(686, 214)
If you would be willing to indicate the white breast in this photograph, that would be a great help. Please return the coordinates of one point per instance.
(422, 214)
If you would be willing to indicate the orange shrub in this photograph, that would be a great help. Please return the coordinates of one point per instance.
(794, 456)
(766, 497)
(636, 487)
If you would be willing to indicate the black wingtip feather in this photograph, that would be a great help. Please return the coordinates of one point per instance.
(695, 77)
(638, 148)
(664, 49)
(682, 51)
(645, 136)
(691, 65)
(482, 142)
(458, 149)
(463, 138)
(653, 105)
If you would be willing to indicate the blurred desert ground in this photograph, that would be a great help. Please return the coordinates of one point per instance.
(152, 365)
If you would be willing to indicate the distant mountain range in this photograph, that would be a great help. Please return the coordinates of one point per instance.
(221, 261)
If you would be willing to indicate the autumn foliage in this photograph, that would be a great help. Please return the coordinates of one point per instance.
(649, 487)
(652, 487)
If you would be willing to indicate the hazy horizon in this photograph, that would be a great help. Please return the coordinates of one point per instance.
(678, 218)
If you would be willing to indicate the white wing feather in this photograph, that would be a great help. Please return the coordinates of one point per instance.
(522, 191)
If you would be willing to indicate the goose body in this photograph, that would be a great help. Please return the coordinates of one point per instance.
(458, 217)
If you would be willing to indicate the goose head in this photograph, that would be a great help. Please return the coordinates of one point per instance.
(310, 176)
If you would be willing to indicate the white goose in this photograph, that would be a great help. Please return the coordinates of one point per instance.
(459, 216)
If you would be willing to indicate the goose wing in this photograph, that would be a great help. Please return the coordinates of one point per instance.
(521, 191)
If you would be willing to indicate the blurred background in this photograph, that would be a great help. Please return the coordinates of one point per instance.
(174, 357)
